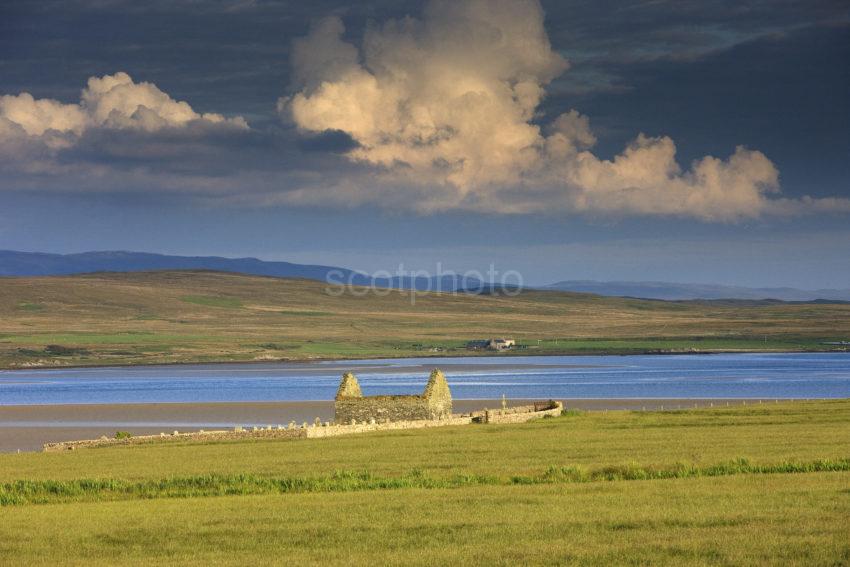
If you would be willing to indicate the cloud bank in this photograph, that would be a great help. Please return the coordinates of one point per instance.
(112, 102)
(122, 136)
(35, 132)
(446, 109)
(437, 113)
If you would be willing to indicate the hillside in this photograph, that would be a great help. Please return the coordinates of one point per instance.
(185, 316)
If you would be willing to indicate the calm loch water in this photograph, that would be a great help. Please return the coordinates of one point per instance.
(821, 375)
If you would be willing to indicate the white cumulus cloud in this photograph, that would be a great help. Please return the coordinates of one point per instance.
(449, 98)
(445, 108)
(116, 101)
(35, 117)
(113, 102)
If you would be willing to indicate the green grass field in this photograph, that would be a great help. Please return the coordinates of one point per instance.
(757, 484)
(178, 317)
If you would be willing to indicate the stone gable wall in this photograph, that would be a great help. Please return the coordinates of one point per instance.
(438, 395)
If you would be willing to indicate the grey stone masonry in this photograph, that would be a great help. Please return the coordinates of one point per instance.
(350, 405)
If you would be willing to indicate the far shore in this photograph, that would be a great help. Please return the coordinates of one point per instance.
(27, 428)
(401, 356)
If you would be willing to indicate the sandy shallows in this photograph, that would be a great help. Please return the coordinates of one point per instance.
(27, 428)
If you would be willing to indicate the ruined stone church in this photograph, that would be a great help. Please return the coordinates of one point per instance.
(350, 405)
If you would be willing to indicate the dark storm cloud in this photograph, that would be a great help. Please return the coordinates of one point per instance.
(677, 29)
(610, 34)
(333, 141)
(233, 56)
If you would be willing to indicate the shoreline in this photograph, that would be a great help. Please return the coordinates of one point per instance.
(111, 364)
(28, 427)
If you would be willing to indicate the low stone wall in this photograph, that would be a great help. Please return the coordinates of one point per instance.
(217, 435)
(334, 430)
(519, 414)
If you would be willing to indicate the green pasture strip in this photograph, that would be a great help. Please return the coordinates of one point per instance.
(51, 491)
(28, 306)
(642, 344)
(87, 338)
(212, 301)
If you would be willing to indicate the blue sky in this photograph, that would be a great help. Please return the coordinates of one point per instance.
(254, 164)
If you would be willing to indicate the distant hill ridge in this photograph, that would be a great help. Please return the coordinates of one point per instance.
(14, 263)
(676, 291)
(42, 264)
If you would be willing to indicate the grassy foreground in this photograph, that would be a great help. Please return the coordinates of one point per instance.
(758, 484)
(173, 317)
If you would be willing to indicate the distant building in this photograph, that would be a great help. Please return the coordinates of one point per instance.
(491, 344)
(501, 344)
(434, 403)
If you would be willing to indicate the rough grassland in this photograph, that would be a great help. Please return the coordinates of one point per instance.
(772, 520)
(165, 317)
(574, 489)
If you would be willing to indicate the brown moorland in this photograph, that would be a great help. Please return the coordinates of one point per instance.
(198, 316)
